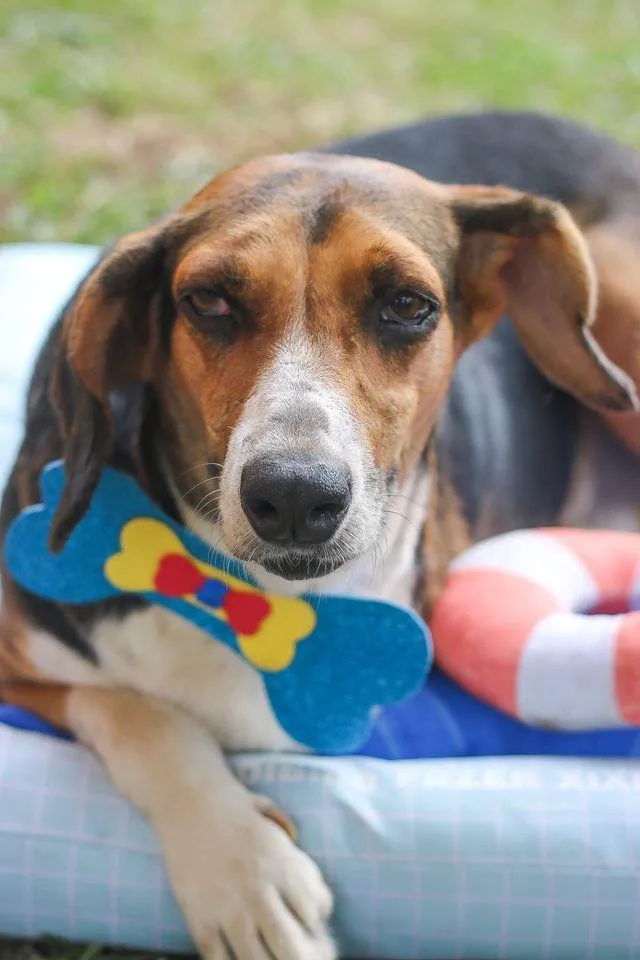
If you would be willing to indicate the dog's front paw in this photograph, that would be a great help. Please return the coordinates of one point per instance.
(247, 891)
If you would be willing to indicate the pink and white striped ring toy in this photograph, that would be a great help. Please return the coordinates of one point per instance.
(542, 624)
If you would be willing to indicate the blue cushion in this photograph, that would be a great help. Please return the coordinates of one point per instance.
(479, 858)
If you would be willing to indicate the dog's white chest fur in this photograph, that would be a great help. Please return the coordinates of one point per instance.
(159, 653)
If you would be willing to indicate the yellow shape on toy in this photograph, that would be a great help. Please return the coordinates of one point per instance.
(273, 647)
(145, 541)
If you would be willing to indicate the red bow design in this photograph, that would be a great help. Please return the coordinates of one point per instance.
(177, 576)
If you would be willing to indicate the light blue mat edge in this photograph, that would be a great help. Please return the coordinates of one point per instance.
(515, 858)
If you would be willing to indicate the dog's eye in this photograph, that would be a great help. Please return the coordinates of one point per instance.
(207, 303)
(410, 309)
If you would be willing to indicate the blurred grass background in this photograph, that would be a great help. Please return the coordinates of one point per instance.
(113, 111)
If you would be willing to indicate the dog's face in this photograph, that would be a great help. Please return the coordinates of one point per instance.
(298, 321)
(312, 327)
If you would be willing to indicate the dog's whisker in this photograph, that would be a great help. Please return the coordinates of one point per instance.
(208, 497)
(409, 500)
(199, 484)
(388, 511)
(199, 466)
(211, 498)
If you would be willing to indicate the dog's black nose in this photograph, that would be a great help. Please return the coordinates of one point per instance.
(295, 499)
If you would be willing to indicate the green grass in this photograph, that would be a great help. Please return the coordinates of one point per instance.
(111, 111)
(54, 948)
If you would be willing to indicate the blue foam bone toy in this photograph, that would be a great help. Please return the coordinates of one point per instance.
(327, 661)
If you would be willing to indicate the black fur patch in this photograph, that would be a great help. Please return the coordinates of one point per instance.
(524, 217)
(87, 444)
(133, 448)
(322, 219)
(506, 438)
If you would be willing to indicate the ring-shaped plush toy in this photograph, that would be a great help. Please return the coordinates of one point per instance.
(543, 624)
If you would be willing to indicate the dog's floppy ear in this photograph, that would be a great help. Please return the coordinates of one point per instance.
(524, 257)
(110, 337)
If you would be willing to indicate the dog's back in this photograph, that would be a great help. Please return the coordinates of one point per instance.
(508, 439)
(595, 176)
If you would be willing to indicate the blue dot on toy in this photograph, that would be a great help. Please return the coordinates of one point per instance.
(212, 593)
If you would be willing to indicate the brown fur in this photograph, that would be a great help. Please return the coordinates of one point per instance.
(615, 249)
(14, 657)
(47, 700)
(446, 535)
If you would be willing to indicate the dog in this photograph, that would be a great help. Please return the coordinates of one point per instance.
(287, 365)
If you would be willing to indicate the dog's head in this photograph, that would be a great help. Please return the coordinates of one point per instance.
(298, 322)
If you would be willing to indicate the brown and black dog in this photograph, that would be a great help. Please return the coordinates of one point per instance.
(275, 364)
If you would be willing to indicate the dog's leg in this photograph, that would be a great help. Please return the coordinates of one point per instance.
(247, 892)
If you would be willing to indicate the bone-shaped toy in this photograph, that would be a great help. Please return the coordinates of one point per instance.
(327, 661)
